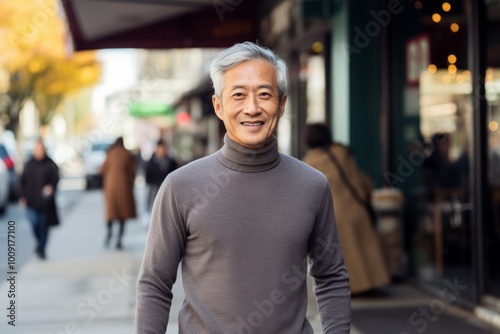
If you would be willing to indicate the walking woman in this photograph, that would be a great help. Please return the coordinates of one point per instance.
(38, 189)
(363, 255)
(118, 171)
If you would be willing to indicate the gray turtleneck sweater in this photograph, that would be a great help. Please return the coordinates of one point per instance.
(243, 222)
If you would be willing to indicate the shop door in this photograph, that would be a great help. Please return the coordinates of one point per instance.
(435, 147)
(447, 212)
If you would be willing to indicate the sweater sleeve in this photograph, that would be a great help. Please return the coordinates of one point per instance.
(328, 271)
(164, 251)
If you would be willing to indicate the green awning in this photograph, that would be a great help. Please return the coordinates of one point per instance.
(150, 109)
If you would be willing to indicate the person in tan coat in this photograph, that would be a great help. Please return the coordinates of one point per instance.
(118, 171)
(363, 255)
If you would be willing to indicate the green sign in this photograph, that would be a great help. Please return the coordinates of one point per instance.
(150, 109)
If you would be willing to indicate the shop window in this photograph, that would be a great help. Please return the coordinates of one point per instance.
(433, 131)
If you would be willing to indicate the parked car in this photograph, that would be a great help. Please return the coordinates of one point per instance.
(12, 175)
(4, 187)
(93, 160)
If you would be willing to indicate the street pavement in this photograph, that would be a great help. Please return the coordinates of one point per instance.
(83, 287)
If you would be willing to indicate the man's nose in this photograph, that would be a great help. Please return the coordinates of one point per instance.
(251, 105)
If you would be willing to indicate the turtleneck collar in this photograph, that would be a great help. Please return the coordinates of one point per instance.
(240, 158)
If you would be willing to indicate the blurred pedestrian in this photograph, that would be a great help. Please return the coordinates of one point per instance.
(244, 221)
(363, 255)
(157, 169)
(441, 171)
(38, 190)
(118, 171)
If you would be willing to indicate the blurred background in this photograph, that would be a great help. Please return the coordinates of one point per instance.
(413, 87)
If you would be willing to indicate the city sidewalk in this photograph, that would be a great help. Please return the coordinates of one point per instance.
(81, 287)
(403, 309)
(84, 288)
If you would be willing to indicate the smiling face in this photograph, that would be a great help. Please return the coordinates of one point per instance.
(249, 104)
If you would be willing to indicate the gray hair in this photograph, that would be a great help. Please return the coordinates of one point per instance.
(241, 52)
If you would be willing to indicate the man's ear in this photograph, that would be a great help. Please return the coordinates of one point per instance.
(217, 106)
(282, 105)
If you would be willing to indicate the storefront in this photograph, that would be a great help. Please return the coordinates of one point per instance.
(443, 91)
(420, 81)
(414, 88)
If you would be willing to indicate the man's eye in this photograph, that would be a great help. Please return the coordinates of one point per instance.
(238, 95)
(265, 95)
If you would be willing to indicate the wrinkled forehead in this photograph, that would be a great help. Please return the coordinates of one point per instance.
(251, 72)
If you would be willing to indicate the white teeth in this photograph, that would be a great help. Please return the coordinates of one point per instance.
(252, 124)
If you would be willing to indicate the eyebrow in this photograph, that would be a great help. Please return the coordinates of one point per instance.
(259, 87)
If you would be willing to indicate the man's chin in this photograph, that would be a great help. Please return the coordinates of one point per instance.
(257, 143)
(252, 140)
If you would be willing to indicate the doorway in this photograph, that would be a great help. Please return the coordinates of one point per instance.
(312, 85)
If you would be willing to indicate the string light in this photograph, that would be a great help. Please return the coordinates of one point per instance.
(446, 6)
(452, 59)
(432, 68)
(446, 79)
(460, 79)
(489, 75)
(317, 47)
(454, 27)
(493, 126)
(436, 17)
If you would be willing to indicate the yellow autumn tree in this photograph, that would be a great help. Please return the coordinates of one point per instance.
(62, 78)
(34, 54)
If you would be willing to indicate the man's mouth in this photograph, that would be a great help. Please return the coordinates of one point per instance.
(252, 123)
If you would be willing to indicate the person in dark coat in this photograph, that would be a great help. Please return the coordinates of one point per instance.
(38, 189)
(157, 169)
(118, 171)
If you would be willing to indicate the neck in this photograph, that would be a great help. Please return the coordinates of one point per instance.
(238, 157)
